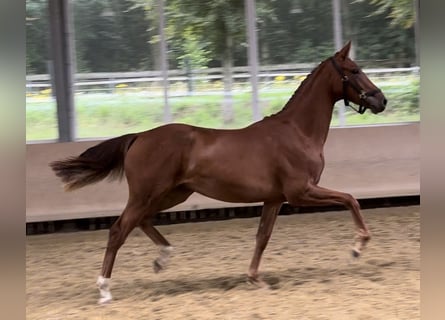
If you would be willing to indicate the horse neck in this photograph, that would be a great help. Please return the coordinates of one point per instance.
(310, 108)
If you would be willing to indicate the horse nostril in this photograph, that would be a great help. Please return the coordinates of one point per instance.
(385, 101)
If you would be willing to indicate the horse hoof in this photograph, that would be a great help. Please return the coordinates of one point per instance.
(355, 253)
(259, 283)
(157, 267)
(104, 300)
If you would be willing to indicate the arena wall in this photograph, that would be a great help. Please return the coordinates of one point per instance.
(368, 162)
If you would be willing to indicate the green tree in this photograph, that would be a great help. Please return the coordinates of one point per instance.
(109, 36)
(222, 23)
(294, 30)
(377, 38)
(36, 37)
(194, 51)
(401, 12)
(203, 28)
(115, 35)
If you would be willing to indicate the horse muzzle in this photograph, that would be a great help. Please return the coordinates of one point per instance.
(376, 103)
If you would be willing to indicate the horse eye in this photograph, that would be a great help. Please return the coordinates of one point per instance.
(355, 71)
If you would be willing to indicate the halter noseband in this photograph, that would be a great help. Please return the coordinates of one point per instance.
(361, 93)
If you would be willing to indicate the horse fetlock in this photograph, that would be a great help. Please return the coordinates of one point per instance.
(165, 250)
(103, 283)
(104, 288)
(252, 274)
(363, 236)
(364, 232)
(161, 262)
(366, 237)
(257, 281)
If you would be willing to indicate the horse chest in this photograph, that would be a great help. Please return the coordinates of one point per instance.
(316, 165)
(307, 166)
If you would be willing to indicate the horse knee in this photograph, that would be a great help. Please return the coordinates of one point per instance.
(352, 202)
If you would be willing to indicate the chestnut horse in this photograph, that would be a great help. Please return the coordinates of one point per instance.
(275, 160)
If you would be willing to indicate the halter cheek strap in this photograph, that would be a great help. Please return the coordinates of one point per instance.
(361, 108)
(363, 95)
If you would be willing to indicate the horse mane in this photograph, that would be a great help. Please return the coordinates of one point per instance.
(300, 87)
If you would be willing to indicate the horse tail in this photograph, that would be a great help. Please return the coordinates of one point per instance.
(95, 164)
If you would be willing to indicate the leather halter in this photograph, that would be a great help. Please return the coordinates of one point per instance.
(361, 93)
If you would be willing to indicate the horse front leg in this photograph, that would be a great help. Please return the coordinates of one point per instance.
(315, 195)
(268, 217)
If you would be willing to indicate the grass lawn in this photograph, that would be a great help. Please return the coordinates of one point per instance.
(107, 115)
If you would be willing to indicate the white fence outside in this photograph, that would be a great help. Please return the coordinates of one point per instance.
(152, 80)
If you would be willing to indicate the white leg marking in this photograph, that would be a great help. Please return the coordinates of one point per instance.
(163, 259)
(165, 252)
(104, 288)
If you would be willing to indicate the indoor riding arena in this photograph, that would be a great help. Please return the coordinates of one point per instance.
(309, 103)
(307, 263)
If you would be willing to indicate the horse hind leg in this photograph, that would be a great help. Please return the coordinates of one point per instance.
(119, 231)
(174, 197)
(164, 246)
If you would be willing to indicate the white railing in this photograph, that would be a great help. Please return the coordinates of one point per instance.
(240, 74)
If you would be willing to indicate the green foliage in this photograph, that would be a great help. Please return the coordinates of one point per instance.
(194, 52)
(36, 36)
(308, 49)
(404, 99)
(401, 12)
(294, 31)
(115, 35)
(109, 36)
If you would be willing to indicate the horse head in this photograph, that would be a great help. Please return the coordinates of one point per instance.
(355, 85)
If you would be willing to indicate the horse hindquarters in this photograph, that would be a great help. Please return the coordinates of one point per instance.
(151, 167)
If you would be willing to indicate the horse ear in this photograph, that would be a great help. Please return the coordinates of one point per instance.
(344, 52)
